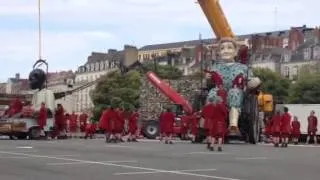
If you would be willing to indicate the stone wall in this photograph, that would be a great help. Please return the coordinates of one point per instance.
(152, 101)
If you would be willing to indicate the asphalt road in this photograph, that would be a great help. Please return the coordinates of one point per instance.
(95, 160)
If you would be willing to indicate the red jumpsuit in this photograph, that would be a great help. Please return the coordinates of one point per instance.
(194, 121)
(276, 123)
(73, 122)
(268, 128)
(218, 129)
(83, 121)
(119, 124)
(184, 124)
(42, 119)
(60, 120)
(285, 125)
(15, 107)
(207, 114)
(312, 125)
(133, 122)
(108, 120)
(295, 129)
(167, 121)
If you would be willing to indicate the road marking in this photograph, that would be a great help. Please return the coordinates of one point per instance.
(24, 147)
(74, 163)
(153, 172)
(299, 145)
(14, 157)
(129, 147)
(190, 153)
(252, 158)
(119, 165)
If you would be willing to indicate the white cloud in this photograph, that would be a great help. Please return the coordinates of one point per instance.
(74, 28)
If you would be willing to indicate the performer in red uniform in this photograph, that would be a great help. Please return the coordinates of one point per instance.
(16, 106)
(105, 125)
(73, 124)
(90, 130)
(295, 130)
(167, 121)
(285, 127)
(133, 126)
(312, 127)
(42, 118)
(218, 129)
(60, 121)
(207, 114)
(83, 121)
(268, 128)
(276, 131)
(184, 126)
(194, 123)
(119, 126)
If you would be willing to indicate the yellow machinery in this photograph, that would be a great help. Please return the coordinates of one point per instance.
(216, 18)
(222, 29)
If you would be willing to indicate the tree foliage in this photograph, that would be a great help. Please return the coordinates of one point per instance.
(273, 83)
(124, 90)
(306, 90)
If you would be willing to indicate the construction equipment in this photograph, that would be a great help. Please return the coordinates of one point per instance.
(248, 121)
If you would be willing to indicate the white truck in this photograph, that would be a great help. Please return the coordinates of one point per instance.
(23, 127)
(302, 111)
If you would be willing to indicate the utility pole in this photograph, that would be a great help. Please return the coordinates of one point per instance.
(39, 28)
(201, 66)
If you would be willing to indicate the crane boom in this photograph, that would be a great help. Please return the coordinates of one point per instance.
(216, 18)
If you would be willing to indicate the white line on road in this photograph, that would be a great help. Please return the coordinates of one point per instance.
(15, 157)
(299, 145)
(74, 163)
(119, 165)
(128, 147)
(200, 153)
(153, 172)
(252, 158)
(24, 147)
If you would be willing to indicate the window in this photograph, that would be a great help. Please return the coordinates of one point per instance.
(102, 65)
(306, 54)
(316, 52)
(286, 72)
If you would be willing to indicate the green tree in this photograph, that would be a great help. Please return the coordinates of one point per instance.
(273, 83)
(306, 90)
(124, 90)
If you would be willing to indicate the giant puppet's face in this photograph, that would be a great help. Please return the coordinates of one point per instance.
(227, 51)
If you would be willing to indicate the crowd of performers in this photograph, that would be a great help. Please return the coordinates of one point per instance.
(281, 128)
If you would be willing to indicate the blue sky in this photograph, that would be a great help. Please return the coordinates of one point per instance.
(72, 29)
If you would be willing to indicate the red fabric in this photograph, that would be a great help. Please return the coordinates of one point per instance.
(91, 128)
(219, 124)
(73, 122)
(243, 54)
(60, 120)
(15, 107)
(239, 81)
(207, 114)
(295, 128)
(42, 119)
(119, 125)
(215, 77)
(268, 128)
(108, 120)
(276, 123)
(167, 121)
(312, 125)
(184, 124)
(285, 123)
(27, 111)
(133, 122)
(194, 121)
(223, 94)
(83, 121)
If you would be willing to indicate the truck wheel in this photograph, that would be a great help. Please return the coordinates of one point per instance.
(151, 129)
(34, 133)
(254, 126)
(22, 136)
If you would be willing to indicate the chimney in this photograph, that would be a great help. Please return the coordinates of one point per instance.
(17, 76)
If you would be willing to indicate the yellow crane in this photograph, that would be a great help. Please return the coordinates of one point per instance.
(222, 29)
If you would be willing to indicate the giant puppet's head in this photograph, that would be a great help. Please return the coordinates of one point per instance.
(227, 49)
(37, 78)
